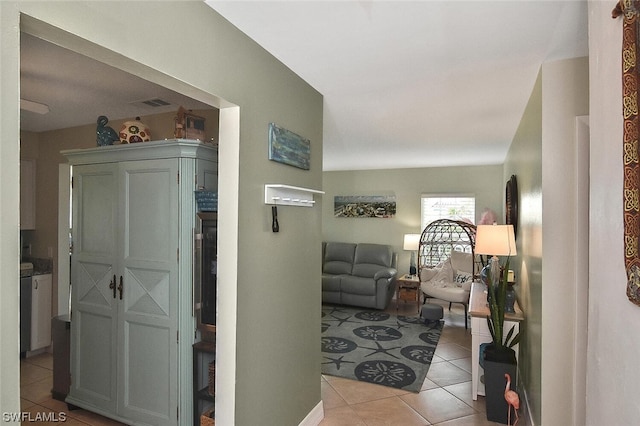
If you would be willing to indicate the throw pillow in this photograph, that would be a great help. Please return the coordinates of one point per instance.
(462, 277)
(445, 274)
(426, 274)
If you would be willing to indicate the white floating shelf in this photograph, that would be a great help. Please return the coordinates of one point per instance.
(287, 195)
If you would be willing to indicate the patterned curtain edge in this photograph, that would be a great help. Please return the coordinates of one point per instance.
(631, 157)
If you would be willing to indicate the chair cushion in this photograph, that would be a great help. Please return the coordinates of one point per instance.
(370, 258)
(331, 282)
(450, 294)
(427, 274)
(444, 274)
(338, 258)
(358, 285)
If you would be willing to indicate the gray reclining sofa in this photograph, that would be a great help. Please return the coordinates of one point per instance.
(358, 274)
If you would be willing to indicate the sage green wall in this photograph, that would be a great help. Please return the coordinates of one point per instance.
(275, 356)
(407, 185)
(524, 160)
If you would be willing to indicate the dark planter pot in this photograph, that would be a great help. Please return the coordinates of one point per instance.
(496, 365)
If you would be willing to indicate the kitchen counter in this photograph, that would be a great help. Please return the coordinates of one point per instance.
(41, 266)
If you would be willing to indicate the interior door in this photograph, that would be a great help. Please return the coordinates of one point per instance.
(147, 343)
(93, 269)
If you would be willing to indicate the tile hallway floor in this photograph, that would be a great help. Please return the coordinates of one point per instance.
(445, 398)
(36, 381)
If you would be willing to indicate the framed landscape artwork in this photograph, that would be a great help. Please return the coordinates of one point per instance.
(364, 206)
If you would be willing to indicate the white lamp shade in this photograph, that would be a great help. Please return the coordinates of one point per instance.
(411, 241)
(495, 240)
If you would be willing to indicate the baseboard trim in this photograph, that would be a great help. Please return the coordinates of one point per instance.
(314, 417)
(530, 421)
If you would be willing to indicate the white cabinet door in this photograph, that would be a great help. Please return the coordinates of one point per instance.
(93, 277)
(40, 311)
(147, 341)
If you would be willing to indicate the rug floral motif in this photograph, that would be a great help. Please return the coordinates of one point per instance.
(376, 347)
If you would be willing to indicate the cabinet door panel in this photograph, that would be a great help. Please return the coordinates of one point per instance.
(148, 388)
(150, 211)
(93, 373)
(149, 223)
(148, 292)
(96, 211)
(94, 308)
(41, 311)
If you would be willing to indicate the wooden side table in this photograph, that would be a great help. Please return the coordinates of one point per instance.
(408, 289)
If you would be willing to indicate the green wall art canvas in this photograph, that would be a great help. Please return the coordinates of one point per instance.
(288, 148)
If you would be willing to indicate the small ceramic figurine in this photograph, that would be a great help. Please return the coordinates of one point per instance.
(134, 131)
(105, 135)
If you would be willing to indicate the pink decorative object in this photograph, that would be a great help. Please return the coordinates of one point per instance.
(134, 131)
(512, 399)
(489, 217)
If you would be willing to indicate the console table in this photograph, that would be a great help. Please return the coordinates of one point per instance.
(479, 311)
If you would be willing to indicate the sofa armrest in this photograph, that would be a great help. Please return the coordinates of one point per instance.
(385, 273)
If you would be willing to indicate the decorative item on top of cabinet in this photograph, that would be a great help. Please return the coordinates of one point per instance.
(105, 135)
(189, 126)
(134, 131)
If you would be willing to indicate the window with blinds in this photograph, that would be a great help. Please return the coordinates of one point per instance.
(457, 207)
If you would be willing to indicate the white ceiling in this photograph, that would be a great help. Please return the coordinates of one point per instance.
(405, 84)
(416, 83)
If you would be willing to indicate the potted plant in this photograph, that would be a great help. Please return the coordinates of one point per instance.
(499, 357)
(497, 296)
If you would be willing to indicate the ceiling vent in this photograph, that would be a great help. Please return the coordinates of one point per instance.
(153, 103)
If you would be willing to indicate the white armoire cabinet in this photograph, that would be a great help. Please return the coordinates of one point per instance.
(132, 323)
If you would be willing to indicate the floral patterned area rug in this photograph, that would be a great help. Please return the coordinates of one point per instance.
(376, 347)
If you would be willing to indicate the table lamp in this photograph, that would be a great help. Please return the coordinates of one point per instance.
(412, 243)
(495, 240)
